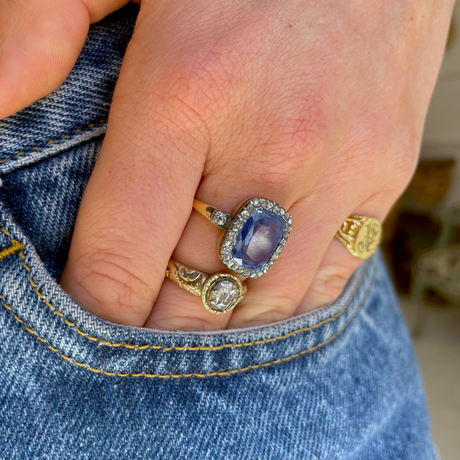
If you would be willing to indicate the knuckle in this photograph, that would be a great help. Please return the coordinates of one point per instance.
(296, 132)
(164, 116)
(204, 84)
(373, 151)
(301, 123)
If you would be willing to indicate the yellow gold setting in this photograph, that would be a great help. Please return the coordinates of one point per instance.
(220, 293)
(361, 235)
(212, 282)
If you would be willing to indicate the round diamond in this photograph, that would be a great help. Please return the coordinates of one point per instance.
(219, 218)
(223, 294)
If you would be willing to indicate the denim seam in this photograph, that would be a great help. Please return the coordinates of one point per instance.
(21, 153)
(192, 374)
(177, 348)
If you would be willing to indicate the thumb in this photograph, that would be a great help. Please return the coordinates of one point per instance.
(39, 43)
(140, 195)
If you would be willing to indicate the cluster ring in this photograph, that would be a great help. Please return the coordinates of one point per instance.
(254, 234)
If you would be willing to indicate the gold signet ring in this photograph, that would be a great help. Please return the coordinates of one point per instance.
(220, 293)
(361, 235)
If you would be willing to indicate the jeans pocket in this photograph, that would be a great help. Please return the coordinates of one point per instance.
(339, 382)
(47, 313)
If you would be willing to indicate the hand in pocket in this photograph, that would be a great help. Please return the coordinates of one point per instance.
(319, 107)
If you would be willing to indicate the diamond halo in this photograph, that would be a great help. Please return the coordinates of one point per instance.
(243, 214)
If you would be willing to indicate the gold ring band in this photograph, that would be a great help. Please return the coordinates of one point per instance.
(361, 235)
(254, 234)
(220, 293)
(216, 216)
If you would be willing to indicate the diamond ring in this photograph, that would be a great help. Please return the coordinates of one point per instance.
(220, 293)
(254, 235)
(361, 235)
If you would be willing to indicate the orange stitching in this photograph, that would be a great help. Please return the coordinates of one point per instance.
(192, 374)
(91, 125)
(184, 348)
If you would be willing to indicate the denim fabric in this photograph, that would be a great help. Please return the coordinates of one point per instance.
(337, 383)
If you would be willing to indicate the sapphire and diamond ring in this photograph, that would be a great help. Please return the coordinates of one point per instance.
(220, 293)
(254, 235)
(361, 235)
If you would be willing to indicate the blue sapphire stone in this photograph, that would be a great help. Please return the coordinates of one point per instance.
(258, 239)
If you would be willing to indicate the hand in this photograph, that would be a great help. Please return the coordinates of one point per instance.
(317, 106)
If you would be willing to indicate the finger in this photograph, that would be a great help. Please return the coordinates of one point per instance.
(39, 44)
(177, 309)
(312, 270)
(276, 295)
(338, 264)
(336, 267)
(140, 194)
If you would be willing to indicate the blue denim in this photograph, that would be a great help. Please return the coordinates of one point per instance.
(338, 383)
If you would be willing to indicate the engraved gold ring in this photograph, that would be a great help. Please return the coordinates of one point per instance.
(220, 293)
(361, 235)
(254, 234)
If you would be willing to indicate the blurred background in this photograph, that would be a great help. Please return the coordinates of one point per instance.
(422, 247)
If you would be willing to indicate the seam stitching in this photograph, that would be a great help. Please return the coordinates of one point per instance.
(91, 125)
(177, 348)
(15, 247)
(192, 374)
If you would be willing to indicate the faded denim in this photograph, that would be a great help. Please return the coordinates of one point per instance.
(338, 383)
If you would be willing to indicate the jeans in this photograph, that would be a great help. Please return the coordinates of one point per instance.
(340, 382)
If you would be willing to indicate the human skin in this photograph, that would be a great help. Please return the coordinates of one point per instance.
(318, 106)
